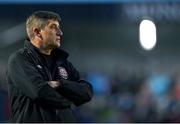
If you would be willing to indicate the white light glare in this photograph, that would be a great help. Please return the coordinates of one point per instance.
(147, 34)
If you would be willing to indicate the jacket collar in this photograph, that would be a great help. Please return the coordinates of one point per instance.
(58, 53)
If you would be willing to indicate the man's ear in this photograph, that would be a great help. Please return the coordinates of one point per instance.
(37, 32)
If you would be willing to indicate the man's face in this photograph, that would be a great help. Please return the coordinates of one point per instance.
(51, 35)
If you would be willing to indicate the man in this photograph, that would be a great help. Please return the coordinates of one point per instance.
(43, 84)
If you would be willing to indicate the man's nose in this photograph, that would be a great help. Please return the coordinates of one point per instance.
(59, 32)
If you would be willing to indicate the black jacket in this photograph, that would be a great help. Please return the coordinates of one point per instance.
(32, 99)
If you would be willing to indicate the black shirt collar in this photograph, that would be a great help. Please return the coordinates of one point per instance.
(58, 53)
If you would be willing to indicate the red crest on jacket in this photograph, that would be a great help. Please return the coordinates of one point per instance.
(63, 73)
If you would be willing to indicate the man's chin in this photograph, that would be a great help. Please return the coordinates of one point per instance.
(58, 45)
(55, 46)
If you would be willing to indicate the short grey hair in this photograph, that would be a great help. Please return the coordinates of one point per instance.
(39, 19)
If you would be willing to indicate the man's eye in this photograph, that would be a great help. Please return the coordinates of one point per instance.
(55, 27)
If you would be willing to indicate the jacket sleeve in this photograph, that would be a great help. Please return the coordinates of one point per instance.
(25, 77)
(76, 90)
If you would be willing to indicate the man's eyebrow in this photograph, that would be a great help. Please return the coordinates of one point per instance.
(54, 25)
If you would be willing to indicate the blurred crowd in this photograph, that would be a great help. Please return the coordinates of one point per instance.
(138, 96)
(126, 96)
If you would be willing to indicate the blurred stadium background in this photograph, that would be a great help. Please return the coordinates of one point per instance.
(102, 36)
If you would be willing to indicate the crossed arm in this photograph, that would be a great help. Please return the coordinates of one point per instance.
(27, 79)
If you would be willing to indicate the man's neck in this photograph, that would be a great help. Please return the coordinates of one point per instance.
(41, 49)
(46, 52)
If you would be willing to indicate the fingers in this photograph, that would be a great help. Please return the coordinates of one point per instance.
(54, 84)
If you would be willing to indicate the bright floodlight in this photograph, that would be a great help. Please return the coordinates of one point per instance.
(147, 34)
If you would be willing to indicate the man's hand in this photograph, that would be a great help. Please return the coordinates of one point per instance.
(54, 84)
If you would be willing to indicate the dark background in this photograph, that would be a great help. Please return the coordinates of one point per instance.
(131, 84)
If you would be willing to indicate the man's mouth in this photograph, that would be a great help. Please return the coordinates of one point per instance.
(58, 39)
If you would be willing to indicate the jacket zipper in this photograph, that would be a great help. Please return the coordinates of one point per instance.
(50, 77)
(48, 72)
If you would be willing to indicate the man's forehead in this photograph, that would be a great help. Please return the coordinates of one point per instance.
(51, 22)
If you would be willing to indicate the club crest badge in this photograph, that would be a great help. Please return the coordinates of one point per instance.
(63, 73)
